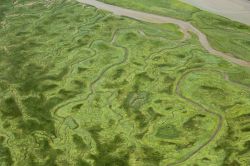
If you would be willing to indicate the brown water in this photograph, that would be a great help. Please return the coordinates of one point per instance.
(238, 10)
(153, 18)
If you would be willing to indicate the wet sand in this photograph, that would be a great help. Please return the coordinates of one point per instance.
(152, 18)
(237, 10)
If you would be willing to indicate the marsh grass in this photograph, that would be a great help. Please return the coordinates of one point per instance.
(217, 28)
(73, 95)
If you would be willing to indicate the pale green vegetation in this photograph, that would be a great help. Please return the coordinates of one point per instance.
(79, 86)
(223, 34)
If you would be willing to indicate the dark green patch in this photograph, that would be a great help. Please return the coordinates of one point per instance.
(10, 109)
(168, 131)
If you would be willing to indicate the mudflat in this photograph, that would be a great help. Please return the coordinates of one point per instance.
(237, 10)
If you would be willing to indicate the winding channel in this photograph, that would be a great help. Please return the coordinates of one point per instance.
(218, 116)
(185, 27)
(153, 18)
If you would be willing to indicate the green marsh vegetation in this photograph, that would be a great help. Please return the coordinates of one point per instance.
(223, 34)
(80, 86)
